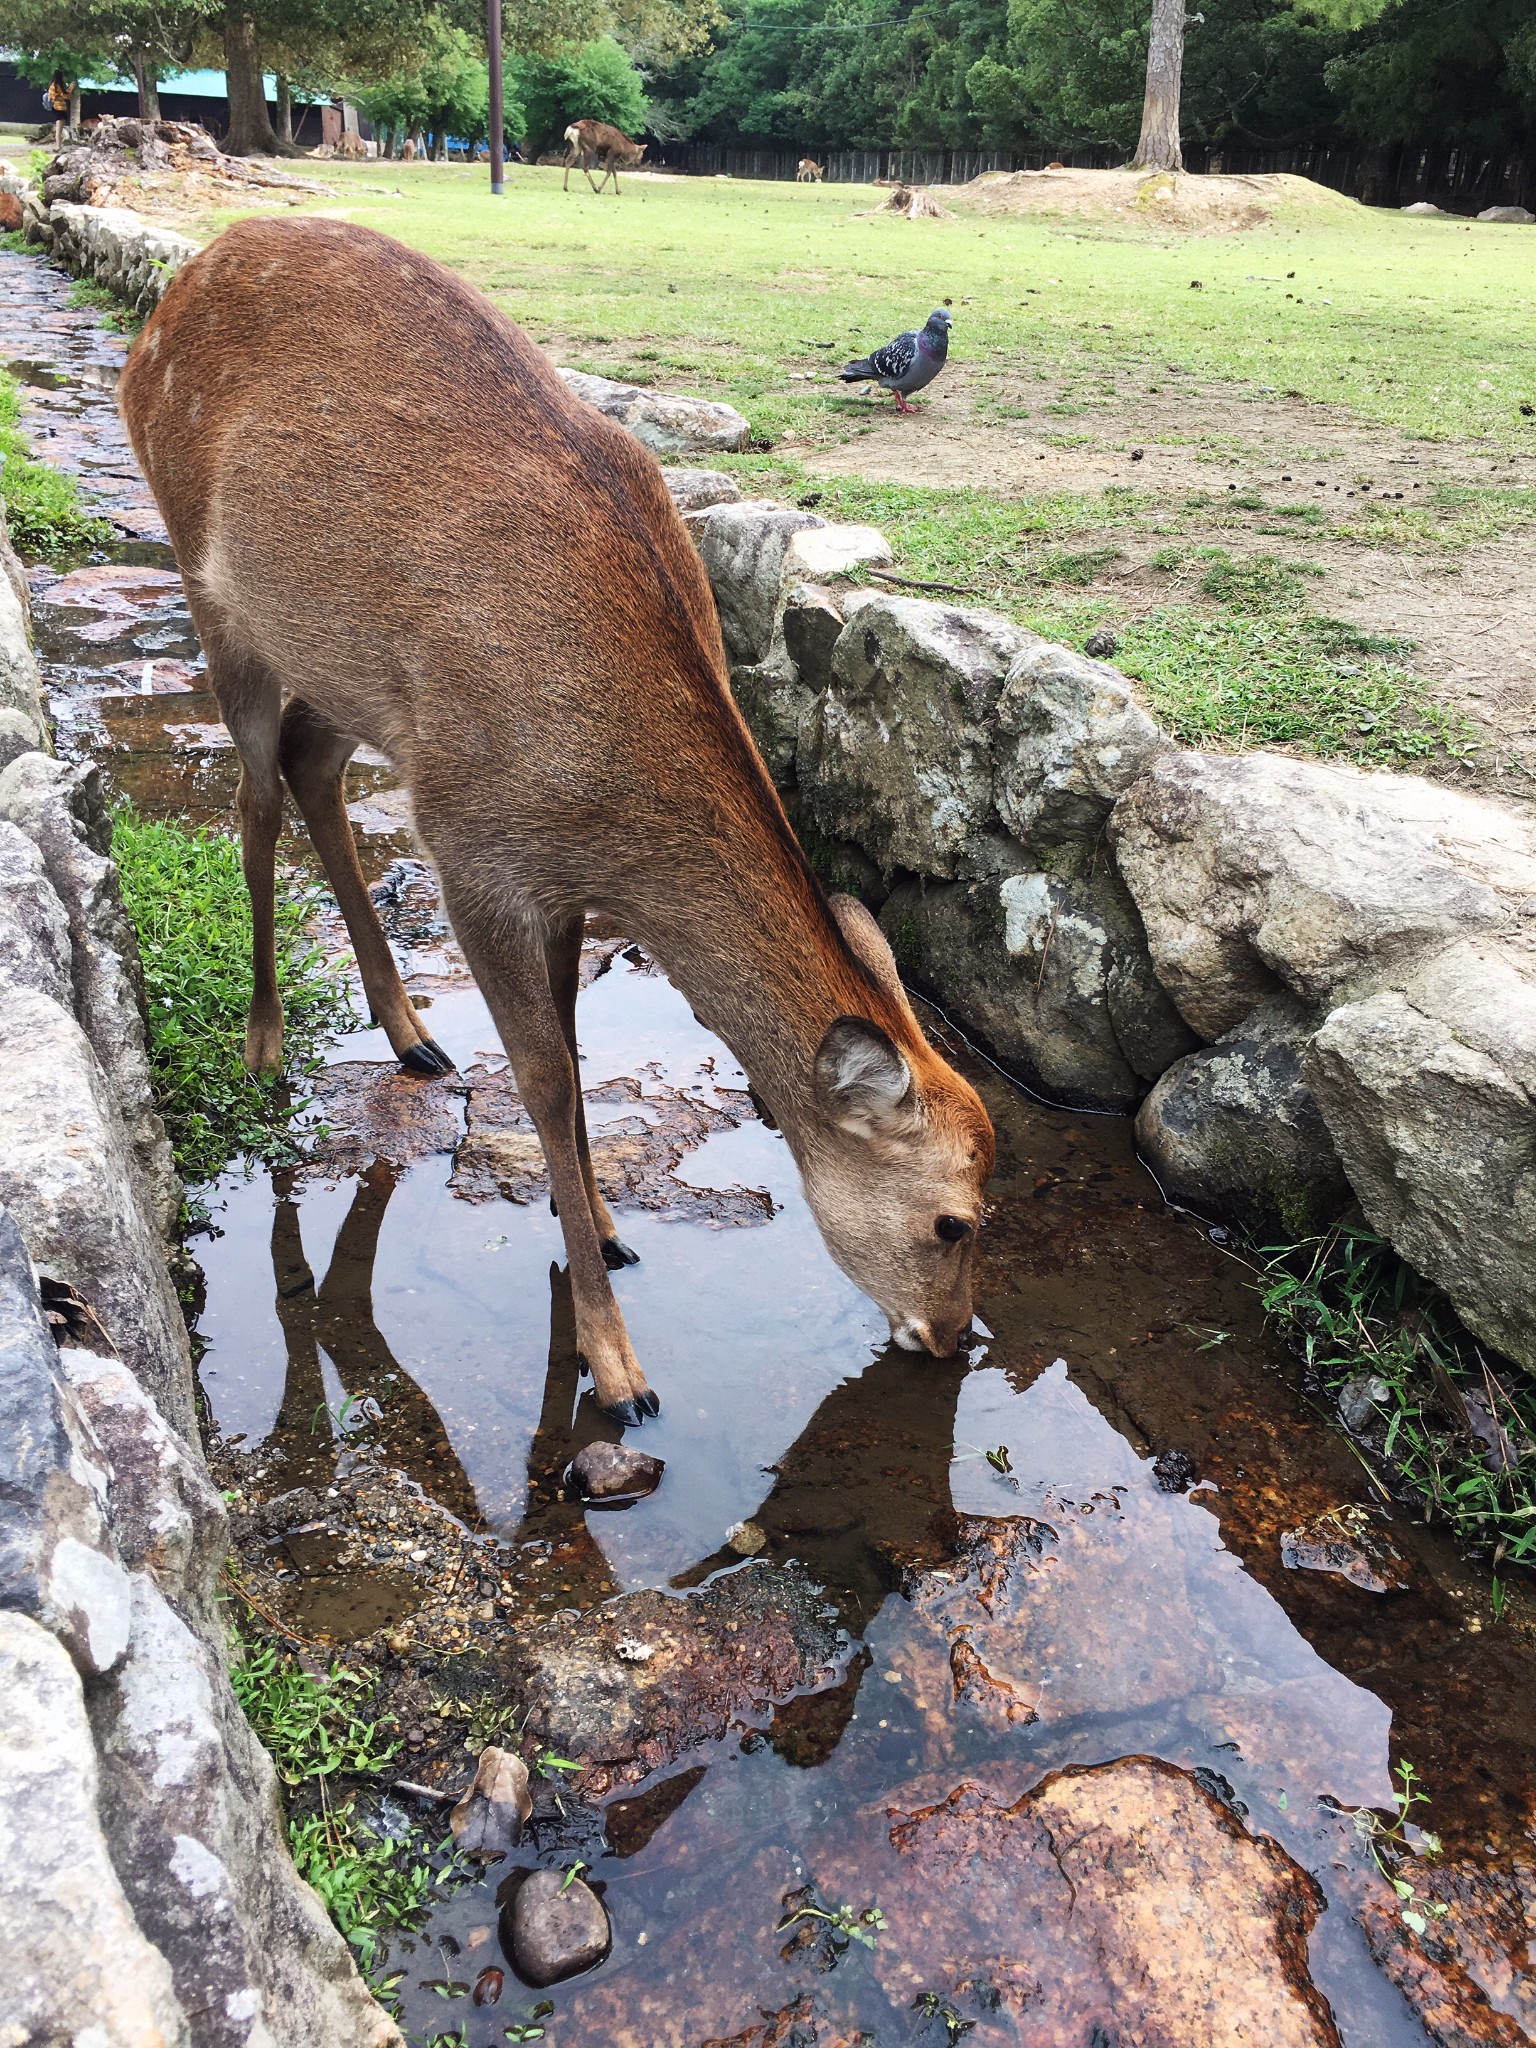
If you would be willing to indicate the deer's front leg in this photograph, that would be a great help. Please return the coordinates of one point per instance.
(507, 957)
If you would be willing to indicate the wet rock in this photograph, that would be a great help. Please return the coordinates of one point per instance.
(59, 1563)
(1174, 1471)
(1363, 1404)
(1079, 740)
(63, 811)
(751, 1635)
(1429, 1092)
(34, 932)
(1043, 968)
(77, 1967)
(746, 1539)
(372, 1111)
(75, 1190)
(1255, 873)
(1345, 1542)
(615, 1471)
(559, 1927)
(1467, 1975)
(692, 490)
(1234, 1131)
(1123, 1889)
(665, 422)
(488, 1820)
(635, 1157)
(798, 2025)
(896, 755)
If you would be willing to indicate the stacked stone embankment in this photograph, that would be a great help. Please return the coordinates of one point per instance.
(147, 1896)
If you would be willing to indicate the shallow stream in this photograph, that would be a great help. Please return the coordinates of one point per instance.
(392, 1396)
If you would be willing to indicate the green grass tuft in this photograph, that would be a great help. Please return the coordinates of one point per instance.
(1457, 1429)
(186, 894)
(42, 507)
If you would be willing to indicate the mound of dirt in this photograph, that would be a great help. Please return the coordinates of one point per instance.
(1187, 204)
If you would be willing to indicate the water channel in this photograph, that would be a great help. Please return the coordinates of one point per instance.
(388, 1345)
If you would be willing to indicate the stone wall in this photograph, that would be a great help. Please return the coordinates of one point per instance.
(1307, 981)
(146, 1892)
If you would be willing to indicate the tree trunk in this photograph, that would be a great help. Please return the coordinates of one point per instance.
(1158, 149)
(284, 108)
(149, 88)
(250, 126)
(75, 126)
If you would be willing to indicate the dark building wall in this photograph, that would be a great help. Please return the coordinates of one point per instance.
(22, 102)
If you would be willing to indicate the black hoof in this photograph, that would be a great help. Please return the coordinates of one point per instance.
(650, 1402)
(625, 1413)
(616, 1255)
(426, 1058)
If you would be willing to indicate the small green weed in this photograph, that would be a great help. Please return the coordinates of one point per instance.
(310, 1725)
(86, 292)
(185, 892)
(1461, 1437)
(1391, 1846)
(42, 506)
(842, 1922)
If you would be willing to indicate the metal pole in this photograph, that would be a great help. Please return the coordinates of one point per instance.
(493, 51)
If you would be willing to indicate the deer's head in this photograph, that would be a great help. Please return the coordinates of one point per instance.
(895, 1156)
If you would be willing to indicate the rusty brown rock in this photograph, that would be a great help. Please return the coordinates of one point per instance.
(1121, 1896)
(1345, 1541)
(799, 2025)
(1467, 1976)
(632, 1686)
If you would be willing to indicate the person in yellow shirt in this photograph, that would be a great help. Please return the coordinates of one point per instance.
(57, 99)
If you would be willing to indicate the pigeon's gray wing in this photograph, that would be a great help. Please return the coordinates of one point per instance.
(895, 360)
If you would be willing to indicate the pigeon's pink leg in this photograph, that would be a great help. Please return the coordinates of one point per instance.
(901, 403)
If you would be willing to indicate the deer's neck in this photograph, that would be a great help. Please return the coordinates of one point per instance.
(751, 943)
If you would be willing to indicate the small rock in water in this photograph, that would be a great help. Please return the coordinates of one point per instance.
(1345, 1542)
(746, 1538)
(488, 1986)
(614, 1472)
(559, 1926)
(1174, 1471)
(1101, 646)
(1360, 1402)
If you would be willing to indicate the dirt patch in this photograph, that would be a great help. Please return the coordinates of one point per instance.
(1184, 204)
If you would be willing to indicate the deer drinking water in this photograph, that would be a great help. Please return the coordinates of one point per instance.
(543, 664)
(587, 142)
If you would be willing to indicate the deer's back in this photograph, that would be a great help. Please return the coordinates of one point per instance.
(376, 484)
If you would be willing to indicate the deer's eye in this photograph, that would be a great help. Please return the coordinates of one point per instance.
(952, 1228)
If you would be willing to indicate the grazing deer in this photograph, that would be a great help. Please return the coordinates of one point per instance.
(589, 141)
(551, 685)
(809, 173)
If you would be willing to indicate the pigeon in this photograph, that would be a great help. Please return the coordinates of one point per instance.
(906, 364)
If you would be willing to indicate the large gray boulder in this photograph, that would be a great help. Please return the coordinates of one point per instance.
(1233, 1130)
(61, 808)
(1048, 970)
(1429, 1092)
(1079, 739)
(1256, 874)
(75, 1966)
(22, 719)
(896, 754)
(71, 1181)
(58, 1560)
(667, 423)
(756, 551)
(35, 949)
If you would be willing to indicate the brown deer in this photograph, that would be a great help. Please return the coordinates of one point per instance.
(591, 141)
(542, 661)
(809, 172)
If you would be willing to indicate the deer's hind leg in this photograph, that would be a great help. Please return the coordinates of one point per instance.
(314, 756)
(250, 701)
(562, 960)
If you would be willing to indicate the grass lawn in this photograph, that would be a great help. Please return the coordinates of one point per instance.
(1268, 582)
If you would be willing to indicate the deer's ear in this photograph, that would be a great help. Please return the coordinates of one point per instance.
(864, 1081)
(868, 944)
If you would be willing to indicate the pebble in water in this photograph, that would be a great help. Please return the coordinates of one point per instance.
(614, 1471)
(559, 1927)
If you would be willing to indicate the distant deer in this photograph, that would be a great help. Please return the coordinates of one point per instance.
(809, 173)
(552, 688)
(589, 142)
